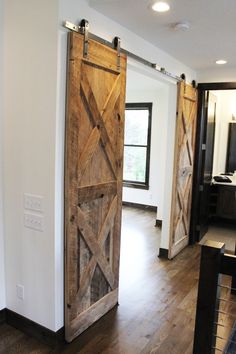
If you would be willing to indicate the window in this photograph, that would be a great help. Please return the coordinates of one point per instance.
(137, 144)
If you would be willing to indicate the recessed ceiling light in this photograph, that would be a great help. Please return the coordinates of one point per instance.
(160, 6)
(221, 62)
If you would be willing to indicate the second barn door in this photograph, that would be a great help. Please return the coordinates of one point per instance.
(183, 168)
(93, 182)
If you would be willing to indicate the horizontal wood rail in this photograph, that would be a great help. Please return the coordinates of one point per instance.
(213, 263)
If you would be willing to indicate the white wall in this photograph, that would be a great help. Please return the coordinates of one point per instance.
(30, 77)
(74, 11)
(141, 88)
(169, 166)
(219, 74)
(34, 101)
(2, 264)
(226, 106)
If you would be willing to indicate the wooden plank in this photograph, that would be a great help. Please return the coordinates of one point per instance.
(96, 191)
(91, 105)
(99, 54)
(90, 239)
(96, 95)
(183, 169)
(71, 198)
(96, 311)
(88, 152)
(87, 275)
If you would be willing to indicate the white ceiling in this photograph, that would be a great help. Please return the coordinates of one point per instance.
(211, 35)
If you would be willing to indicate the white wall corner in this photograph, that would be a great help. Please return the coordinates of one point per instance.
(2, 244)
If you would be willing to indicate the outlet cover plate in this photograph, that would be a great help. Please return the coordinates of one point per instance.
(33, 202)
(35, 222)
(20, 291)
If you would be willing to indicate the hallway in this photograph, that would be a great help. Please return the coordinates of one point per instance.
(157, 300)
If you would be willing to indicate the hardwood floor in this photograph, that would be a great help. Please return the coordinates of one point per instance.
(13, 341)
(157, 301)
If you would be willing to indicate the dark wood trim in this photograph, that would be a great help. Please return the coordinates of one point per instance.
(140, 206)
(206, 86)
(228, 262)
(130, 184)
(142, 106)
(33, 329)
(163, 253)
(2, 316)
(207, 302)
(199, 153)
(158, 223)
(197, 171)
(228, 147)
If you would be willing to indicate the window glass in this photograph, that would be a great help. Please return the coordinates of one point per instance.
(135, 163)
(137, 144)
(136, 126)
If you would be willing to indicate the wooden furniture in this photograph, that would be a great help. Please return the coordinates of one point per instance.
(223, 201)
(226, 202)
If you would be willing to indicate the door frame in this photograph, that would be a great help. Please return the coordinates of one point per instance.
(198, 160)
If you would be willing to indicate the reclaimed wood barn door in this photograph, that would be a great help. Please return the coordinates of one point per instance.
(93, 182)
(183, 168)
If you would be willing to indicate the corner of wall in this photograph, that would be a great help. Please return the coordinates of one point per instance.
(2, 246)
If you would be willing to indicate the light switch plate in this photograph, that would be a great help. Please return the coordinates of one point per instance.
(33, 202)
(20, 291)
(35, 222)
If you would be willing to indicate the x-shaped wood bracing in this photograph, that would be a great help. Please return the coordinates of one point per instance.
(95, 245)
(99, 131)
(187, 134)
(182, 214)
(181, 195)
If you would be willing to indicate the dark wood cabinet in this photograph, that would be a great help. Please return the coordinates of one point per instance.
(226, 202)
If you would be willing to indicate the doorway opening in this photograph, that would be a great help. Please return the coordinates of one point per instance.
(215, 216)
(148, 132)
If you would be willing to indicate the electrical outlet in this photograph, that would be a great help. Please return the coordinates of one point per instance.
(20, 291)
(35, 222)
(33, 202)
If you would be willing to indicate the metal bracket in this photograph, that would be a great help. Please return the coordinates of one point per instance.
(158, 68)
(84, 25)
(71, 26)
(203, 147)
(117, 46)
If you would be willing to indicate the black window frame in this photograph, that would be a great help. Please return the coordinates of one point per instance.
(141, 106)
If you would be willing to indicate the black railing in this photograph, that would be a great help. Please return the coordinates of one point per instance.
(215, 326)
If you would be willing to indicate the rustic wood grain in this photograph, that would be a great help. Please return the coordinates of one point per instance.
(183, 168)
(93, 182)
